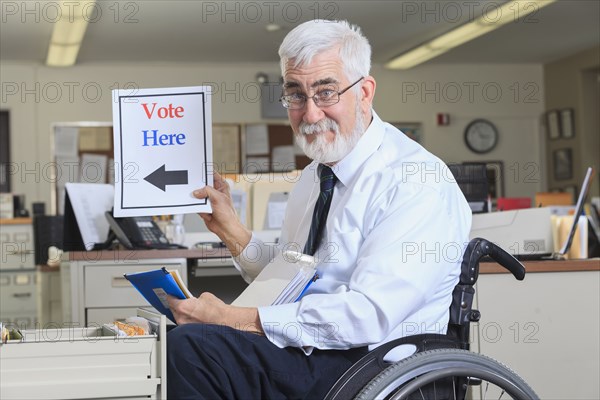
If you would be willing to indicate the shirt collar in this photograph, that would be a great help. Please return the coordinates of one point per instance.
(347, 167)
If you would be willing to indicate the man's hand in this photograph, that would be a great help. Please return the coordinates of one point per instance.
(209, 309)
(223, 221)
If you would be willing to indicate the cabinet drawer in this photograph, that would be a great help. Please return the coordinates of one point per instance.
(18, 292)
(16, 256)
(105, 285)
(99, 316)
(21, 320)
(85, 363)
(17, 247)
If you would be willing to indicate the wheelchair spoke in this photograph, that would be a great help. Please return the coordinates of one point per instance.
(487, 386)
(454, 388)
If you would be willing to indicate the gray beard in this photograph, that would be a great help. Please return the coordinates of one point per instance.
(320, 150)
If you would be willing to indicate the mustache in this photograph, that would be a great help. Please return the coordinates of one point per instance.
(326, 124)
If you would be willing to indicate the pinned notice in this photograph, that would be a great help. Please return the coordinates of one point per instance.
(163, 150)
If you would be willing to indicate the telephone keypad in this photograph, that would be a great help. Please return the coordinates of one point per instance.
(149, 235)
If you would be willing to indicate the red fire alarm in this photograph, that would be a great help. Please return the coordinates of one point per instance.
(443, 119)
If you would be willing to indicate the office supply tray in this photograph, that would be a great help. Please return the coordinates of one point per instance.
(85, 363)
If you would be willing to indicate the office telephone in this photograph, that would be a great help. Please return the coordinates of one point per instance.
(138, 232)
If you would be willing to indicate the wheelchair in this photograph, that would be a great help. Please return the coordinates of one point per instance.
(442, 367)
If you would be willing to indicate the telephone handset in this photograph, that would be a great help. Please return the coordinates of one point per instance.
(138, 232)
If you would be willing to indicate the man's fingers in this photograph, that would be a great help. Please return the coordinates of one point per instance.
(206, 191)
(201, 193)
(205, 216)
(220, 183)
(173, 301)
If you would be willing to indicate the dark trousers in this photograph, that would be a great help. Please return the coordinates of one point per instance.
(218, 362)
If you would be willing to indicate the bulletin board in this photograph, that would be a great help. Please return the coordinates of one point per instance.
(271, 148)
(413, 130)
(227, 148)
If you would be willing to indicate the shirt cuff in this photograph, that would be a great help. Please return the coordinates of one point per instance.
(281, 326)
(255, 256)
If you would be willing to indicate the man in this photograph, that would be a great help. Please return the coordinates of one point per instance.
(389, 253)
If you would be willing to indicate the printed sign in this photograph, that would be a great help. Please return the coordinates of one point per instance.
(163, 150)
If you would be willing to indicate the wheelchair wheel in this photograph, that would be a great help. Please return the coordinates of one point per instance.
(447, 374)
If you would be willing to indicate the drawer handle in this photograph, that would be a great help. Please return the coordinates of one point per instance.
(21, 295)
(17, 252)
(120, 281)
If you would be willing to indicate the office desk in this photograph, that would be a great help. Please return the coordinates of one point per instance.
(545, 266)
(125, 254)
(545, 327)
(94, 290)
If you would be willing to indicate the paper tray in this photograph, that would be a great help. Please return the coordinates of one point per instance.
(85, 363)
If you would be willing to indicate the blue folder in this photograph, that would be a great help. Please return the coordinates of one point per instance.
(155, 285)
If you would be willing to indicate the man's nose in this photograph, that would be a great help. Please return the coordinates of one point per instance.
(312, 113)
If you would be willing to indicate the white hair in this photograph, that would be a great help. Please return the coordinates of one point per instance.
(313, 37)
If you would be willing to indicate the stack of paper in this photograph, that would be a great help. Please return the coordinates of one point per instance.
(561, 226)
(282, 281)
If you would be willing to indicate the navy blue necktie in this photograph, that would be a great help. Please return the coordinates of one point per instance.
(317, 225)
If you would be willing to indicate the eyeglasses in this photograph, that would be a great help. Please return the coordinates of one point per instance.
(324, 97)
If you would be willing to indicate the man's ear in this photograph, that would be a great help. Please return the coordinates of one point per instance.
(368, 91)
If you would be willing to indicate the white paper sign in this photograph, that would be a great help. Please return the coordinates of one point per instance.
(163, 150)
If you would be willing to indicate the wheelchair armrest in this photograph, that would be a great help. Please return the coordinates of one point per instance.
(479, 248)
(365, 369)
(461, 310)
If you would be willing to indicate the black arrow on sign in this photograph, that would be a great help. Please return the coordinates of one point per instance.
(161, 178)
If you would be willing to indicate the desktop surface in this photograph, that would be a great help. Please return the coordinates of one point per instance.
(126, 254)
(591, 264)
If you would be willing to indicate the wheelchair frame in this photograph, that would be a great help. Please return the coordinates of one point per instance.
(372, 370)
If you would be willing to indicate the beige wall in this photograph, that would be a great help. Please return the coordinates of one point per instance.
(511, 96)
(572, 82)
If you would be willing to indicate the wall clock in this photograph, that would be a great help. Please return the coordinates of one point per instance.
(481, 136)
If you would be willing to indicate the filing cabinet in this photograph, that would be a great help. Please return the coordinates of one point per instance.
(49, 296)
(16, 236)
(98, 293)
(85, 363)
(18, 280)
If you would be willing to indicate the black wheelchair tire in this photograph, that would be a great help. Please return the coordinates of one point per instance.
(410, 374)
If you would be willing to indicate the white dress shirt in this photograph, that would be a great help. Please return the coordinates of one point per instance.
(391, 251)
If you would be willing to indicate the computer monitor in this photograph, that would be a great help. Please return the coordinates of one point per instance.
(473, 182)
(72, 240)
(585, 187)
